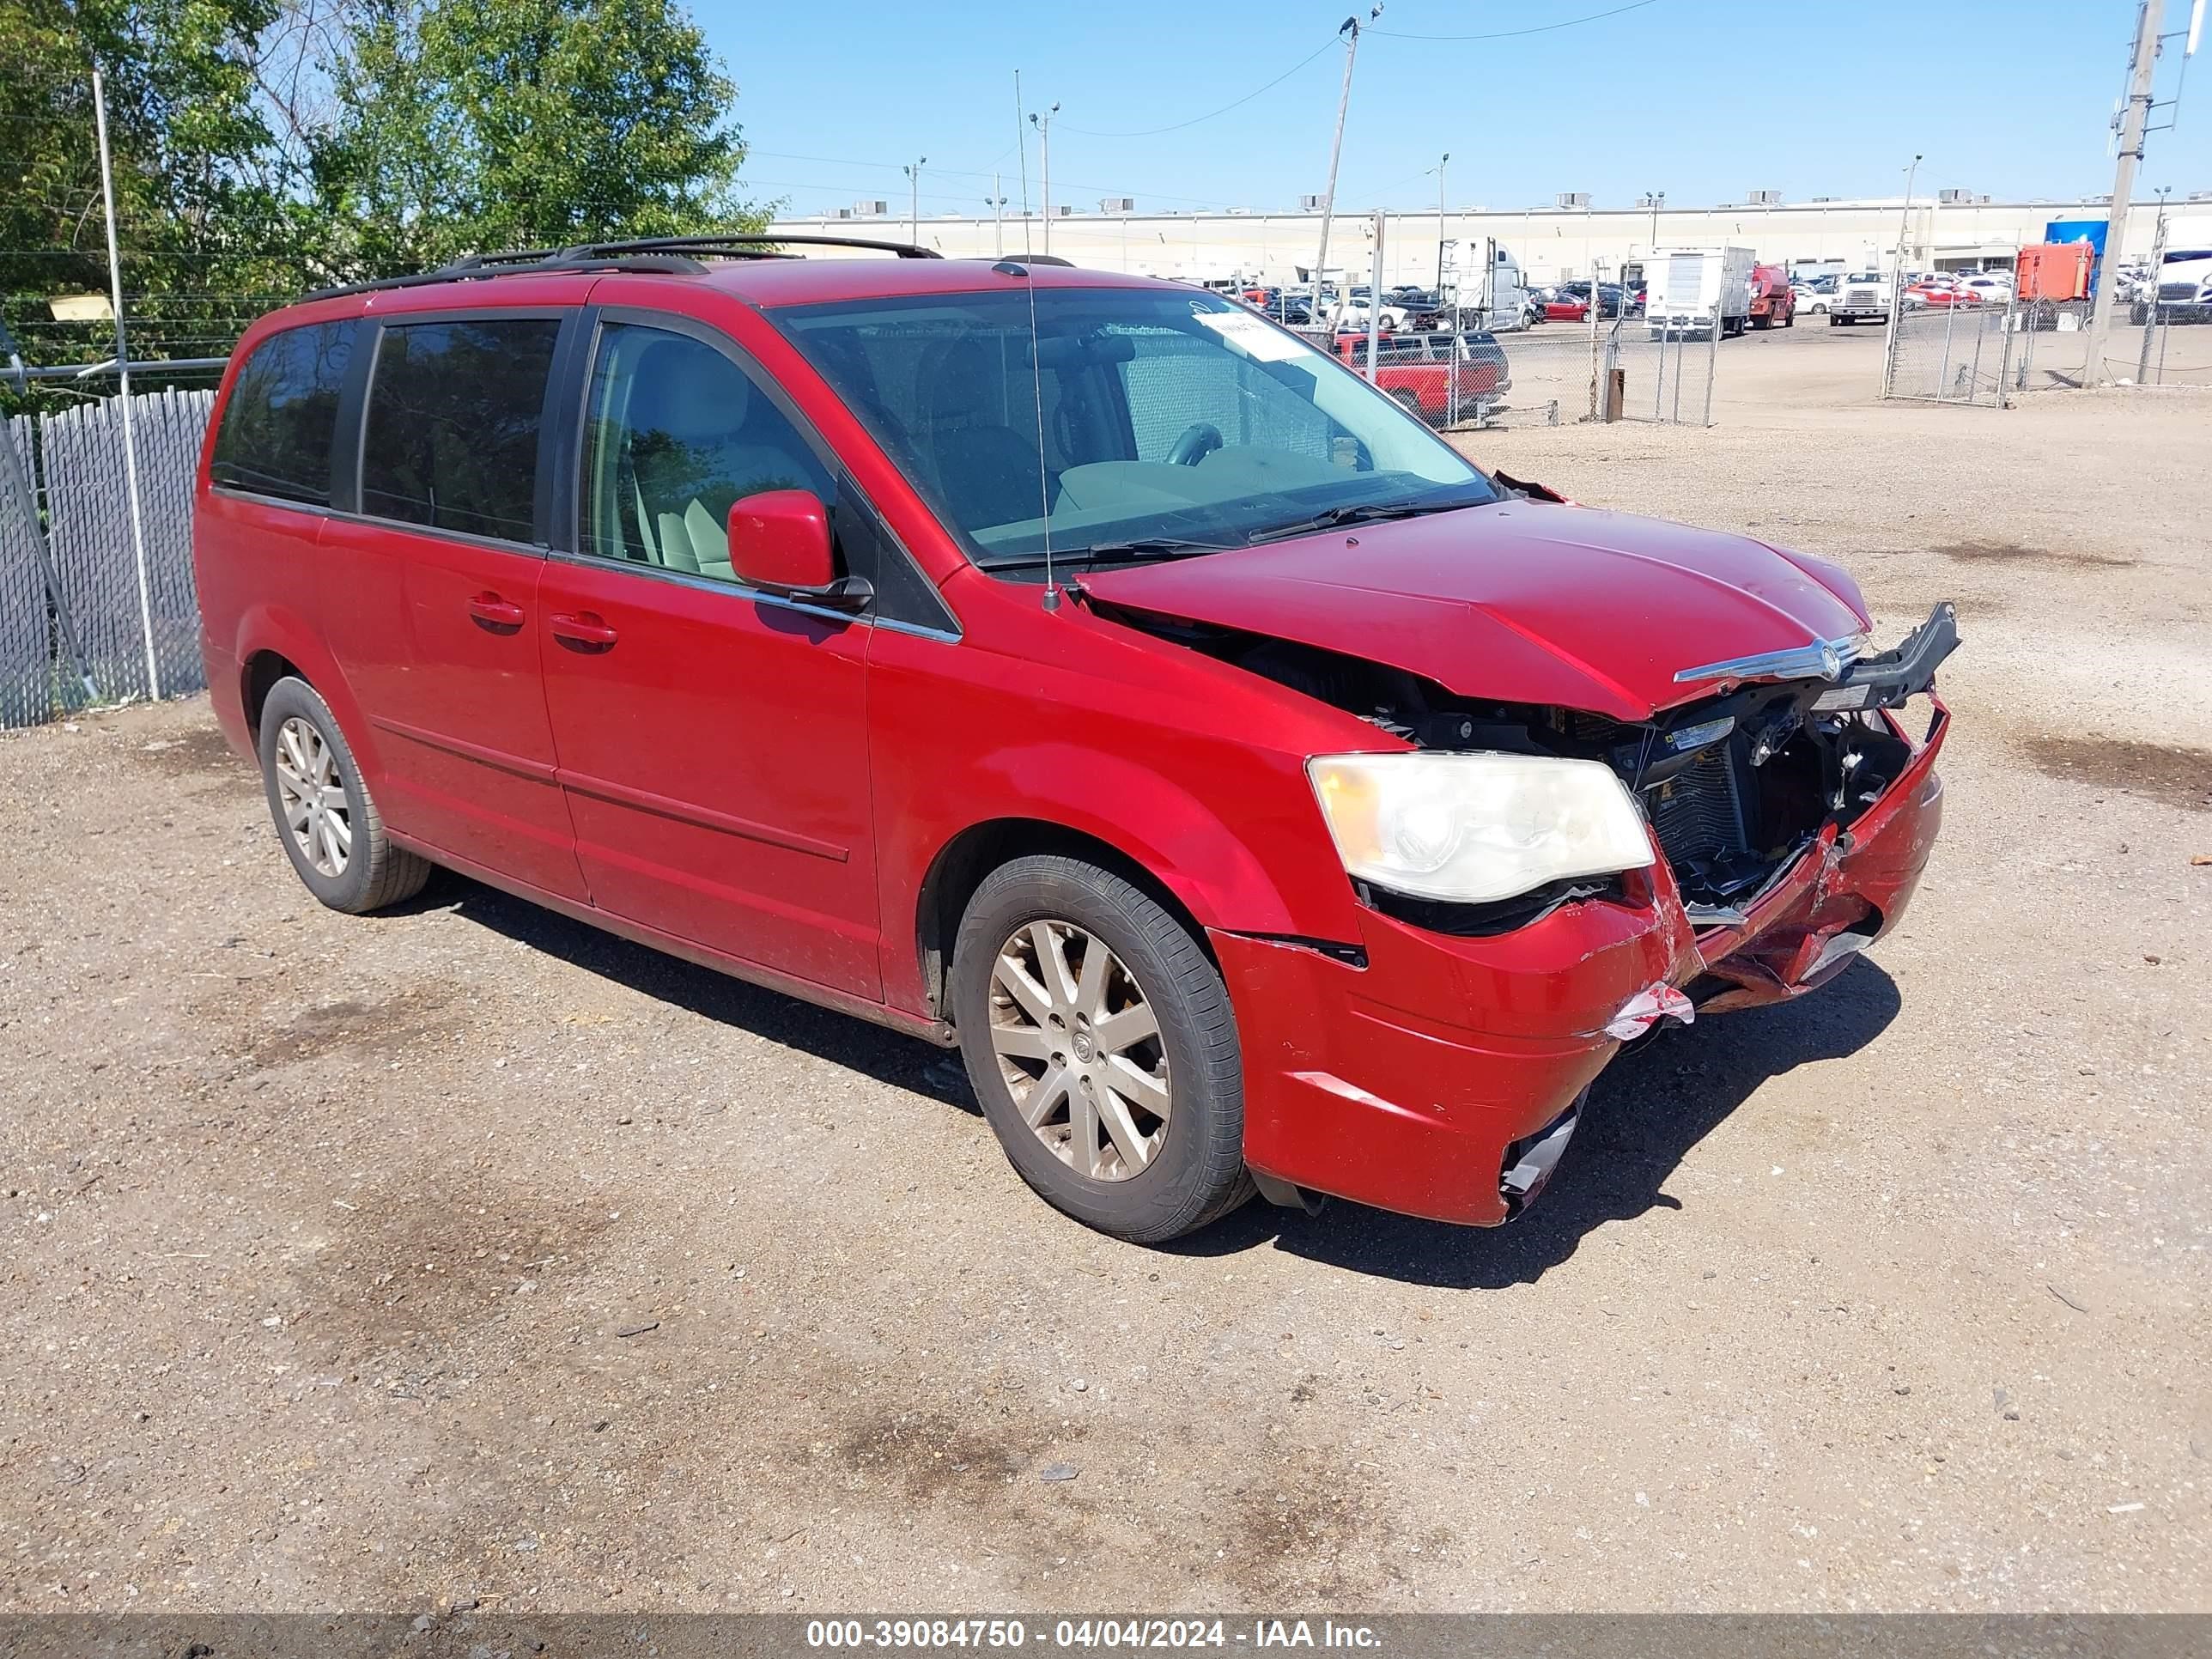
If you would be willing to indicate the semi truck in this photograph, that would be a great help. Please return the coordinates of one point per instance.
(1698, 290)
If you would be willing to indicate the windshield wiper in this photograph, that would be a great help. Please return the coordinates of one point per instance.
(1123, 552)
(1366, 513)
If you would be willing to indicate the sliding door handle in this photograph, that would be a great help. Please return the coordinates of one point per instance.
(586, 629)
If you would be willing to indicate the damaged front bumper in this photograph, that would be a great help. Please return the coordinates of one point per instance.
(1844, 892)
(1442, 1076)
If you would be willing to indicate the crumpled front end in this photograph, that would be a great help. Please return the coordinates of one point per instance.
(1844, 891)
(1439, 1067)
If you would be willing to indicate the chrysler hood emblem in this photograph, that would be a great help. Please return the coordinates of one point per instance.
(1826, 658)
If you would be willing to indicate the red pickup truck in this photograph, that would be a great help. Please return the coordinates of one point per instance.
(1417, 370)
(1773, 300)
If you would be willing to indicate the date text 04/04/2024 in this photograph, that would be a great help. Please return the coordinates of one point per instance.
(1087, 1634)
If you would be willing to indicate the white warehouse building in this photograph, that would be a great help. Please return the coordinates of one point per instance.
(1953, 230)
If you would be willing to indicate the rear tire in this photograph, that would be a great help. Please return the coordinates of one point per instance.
(1090, 1046)
(325, 818)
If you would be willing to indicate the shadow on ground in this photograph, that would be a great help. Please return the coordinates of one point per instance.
(842, 1039)
(1647, 1110)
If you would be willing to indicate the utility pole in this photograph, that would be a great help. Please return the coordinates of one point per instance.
(123, 373)
(914, 199)
(1350, 29)
(1440, 165)
(2133, 119)
(1043, 125)
(998, 218)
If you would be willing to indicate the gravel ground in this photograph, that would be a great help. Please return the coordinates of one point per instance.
(466, 1252)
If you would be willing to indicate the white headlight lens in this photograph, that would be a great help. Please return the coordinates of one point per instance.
(1474, 828)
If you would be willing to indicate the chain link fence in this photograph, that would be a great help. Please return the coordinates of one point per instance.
(1945, 349)
(1460, 378)
(80, 521)
(1950, 354)
(28, 661)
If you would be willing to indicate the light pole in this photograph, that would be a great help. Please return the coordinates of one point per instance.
(1658, 200)
(997, 205)
(914, 199)
(1904, 219)
(2150, 312)
(1043, 125)
(1440, 165)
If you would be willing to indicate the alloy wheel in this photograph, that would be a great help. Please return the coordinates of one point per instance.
(1079, 1046)
(314, 797)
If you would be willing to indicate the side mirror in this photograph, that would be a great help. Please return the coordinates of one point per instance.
(780, 541)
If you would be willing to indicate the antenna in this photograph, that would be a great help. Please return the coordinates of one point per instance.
(1011, 268)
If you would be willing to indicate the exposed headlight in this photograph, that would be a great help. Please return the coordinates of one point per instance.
(1474, 828)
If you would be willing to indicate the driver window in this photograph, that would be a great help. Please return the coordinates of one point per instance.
(675, 434)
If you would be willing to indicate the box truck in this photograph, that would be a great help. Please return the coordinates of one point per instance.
(1698, 290)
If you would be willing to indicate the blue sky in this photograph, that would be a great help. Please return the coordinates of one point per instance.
(1705, 99)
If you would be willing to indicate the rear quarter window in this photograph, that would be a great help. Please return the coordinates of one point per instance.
(278, 427)
(454, 410)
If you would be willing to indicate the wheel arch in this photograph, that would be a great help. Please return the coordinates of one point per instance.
(272, 642)
(964, 863)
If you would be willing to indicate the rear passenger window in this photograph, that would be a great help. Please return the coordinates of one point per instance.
(451, 433)
(282, 414)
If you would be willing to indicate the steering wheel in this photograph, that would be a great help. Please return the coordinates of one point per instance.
(1199, 440)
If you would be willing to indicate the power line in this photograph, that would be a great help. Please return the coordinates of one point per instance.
(1151, 132)
(1509, 35)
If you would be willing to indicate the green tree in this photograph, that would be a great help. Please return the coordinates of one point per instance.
(200, 219)
(475, 125)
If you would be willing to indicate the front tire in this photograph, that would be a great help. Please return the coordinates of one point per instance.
(325, 816)
(1099, 1037)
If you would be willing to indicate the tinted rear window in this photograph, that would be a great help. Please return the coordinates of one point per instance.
(454, 413)
(282, 414)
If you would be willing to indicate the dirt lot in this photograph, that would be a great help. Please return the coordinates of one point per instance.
(466, 1252)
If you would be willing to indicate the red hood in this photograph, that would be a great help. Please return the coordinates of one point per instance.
(1521, 602)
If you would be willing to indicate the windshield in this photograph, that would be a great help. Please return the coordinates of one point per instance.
(1169, 418)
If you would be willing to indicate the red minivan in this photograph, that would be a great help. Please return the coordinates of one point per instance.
(1075, 669)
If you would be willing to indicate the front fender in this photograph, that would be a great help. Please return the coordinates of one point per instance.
(1151, 819)
(1276, 872)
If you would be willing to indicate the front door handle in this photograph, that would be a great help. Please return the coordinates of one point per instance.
(586, 629)
(492, 612)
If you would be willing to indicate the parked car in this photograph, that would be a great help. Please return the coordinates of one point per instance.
(1570, 302)
(1418, 371)
(2183, 292)
(1816, 294)
(1256, 793)
(1773, 303)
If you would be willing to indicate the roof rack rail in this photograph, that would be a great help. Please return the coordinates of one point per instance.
(674, 255)
(745, 246)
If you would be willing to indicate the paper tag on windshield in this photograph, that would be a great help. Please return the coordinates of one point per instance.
(1250, 335)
